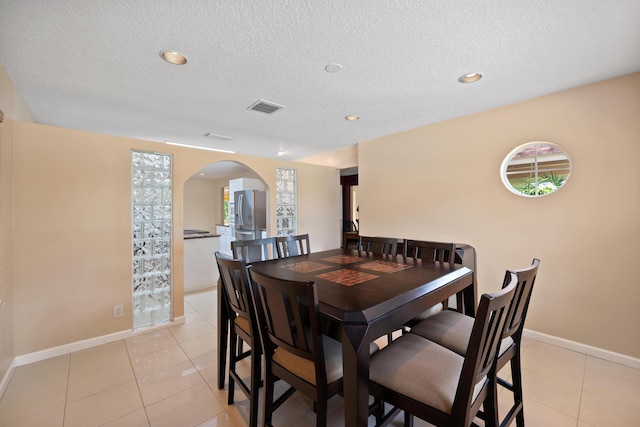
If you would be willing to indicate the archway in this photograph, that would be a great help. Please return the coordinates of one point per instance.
(204, 219)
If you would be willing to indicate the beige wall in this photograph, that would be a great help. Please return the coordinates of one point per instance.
(341, 159)
(73, 227)
(11, 105)
(442, 183)
(202, 204)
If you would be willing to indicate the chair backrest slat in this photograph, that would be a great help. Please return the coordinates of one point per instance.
(482, 350)
(234, 278)
(255, 250)
(293, 245)
(288, 314)
(430, 252)
(378, 245)
(518, 309)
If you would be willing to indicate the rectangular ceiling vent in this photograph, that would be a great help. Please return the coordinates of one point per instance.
(218, 136)
(265, 106)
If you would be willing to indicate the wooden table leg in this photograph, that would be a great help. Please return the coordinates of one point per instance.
(355, 359)
(469, 299)
(223, 335)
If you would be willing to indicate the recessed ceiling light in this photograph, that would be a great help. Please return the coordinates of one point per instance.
(281, 152)
(352, 117)
(173, 57)
(470, 78)
(333, 68)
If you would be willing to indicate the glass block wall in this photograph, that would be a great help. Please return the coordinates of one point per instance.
(151, 179)
(286, 202)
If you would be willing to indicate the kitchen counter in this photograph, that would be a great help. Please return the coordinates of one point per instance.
(200, 269)
(198, 234)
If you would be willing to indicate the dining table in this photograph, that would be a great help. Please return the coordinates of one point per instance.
(363, 297)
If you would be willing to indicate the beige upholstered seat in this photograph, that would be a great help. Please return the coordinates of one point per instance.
(410, 375)
(452, 330)
(305, 368)
(424, 379)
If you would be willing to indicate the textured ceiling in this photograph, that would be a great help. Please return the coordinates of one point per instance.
(95, 64)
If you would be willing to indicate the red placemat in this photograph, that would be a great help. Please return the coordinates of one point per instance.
(306, 266)
(347, 277)
(384, 266)
(343, 259)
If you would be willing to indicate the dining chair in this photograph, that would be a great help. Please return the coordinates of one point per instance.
(431, 253)
(243, 329)
(427, 380)
(378, 245)
(294, 348)
(255, 250)
(452, 330)
(289, 246)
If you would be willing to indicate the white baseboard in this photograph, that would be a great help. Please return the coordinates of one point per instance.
(7, 376)
(600, 353)
(104, 339)
(88, 343)
(48, 353)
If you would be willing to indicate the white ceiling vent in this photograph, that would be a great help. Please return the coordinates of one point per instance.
(218, 136)
(265, 106)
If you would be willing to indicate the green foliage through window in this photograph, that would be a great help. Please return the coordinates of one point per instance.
(546, 184)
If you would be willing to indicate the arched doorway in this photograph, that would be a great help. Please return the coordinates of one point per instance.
(207, 205)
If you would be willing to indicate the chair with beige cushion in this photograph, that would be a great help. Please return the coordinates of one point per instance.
(289, 246)
(243, 329)
(378, 245)
(295, 350)
(255, 250)
(452, 330)
(427, 380)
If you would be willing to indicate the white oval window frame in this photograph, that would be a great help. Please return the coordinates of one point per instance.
(522, 147)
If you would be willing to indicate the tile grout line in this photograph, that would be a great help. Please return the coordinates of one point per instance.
(66, 395)
(135, 377)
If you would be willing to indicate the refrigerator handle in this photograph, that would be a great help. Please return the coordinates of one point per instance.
(239, 212)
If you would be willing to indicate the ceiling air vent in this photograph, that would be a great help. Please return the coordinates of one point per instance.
(265, 106)
(218, 136)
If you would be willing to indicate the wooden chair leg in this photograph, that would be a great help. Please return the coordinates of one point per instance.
(516, 381)
(408, 419)
(491, 406)
(269, 380)
(321, 413)
(256, 379)
(233, 355)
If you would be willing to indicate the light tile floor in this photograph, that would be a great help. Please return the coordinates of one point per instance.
(168, 378)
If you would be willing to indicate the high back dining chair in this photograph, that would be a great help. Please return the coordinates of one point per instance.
(424, 379)
(243, 329)
(432, 253)
(292, 245)
(294, 349)
(452, 329)
(378, 245)
(255, 250)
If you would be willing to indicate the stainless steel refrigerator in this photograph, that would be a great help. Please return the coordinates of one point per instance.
(250, 213)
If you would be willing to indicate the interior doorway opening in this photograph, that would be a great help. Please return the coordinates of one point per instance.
(350, 206)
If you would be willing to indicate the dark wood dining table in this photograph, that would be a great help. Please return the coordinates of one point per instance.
(364, 297)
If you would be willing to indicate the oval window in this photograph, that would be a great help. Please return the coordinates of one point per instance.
(535, 169)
